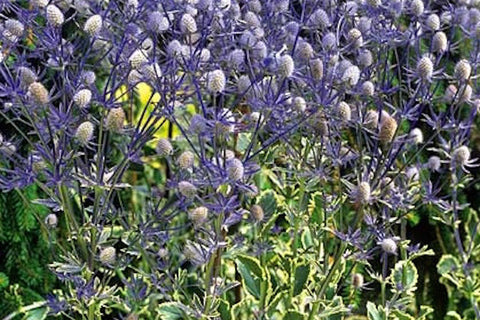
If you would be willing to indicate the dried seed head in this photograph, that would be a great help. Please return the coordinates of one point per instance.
(108, 256)
(115, 120)
(187, 189)
(82, 98)
(85, 132)
(439, 42)
(51, 220)
(54, 16)
(316, 68)
(14, 27)
(389, 245)
(286, 66)
(417, 7)
(434, 163)
(216, 81)
(198, 215)
(461, 155)
(186, 160)
(388, 129)
(351, 75)
(138, 58)
(188, 24)
(357, 280)
(235, 169)
(425, 68)
(463, 70)
(416, 135)
(362, 193)
(93, 25)
(344, 111)
(257, 212)
(368, 88)
(38, 93)
(164, 147)
(433, 22)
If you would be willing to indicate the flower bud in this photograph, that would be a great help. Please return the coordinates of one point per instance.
(93, 25)
(389, 245)
(216, 81)
(235, 169)
(252, 191)
(362, 193)
(304, 50)
(286, 66)
(463, 69)
(355, 38)
(416, 135)
(38, 93)
(188, 24)
(450, 93)
(257, 212)
(434, 163)
(186, 160)
(433, 22)
(425, 68)
(54, 16)
(316, 68)
(344, 111)
(368, 88)
(388, 129)
(164, 147)
(198, 215)
(417, 7)
(461, 155)
(39, 3)
(357, 280)
(187, 189)
(115, 119)
(82, 98)
(439, 42)
(14, 27)
(371, 119)
(51, 220)
(138, 58)
(299, 104)
(27, 76)
(365, 58)
(108, 256)
(85, 132)
(351, 75)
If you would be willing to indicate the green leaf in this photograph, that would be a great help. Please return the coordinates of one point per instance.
(399, 315)
(454, 315)
(404, 277)
(268, 202)
(252, 274)
(4, 281)
(171, 311)
(224, 310)
(447, 264)
(293, 315)
(36, 314)
(301, 276)
(375, 314)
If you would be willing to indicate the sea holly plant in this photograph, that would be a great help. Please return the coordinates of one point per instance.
(244, 159)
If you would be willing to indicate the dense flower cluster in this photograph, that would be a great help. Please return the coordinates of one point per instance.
(181, 134)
